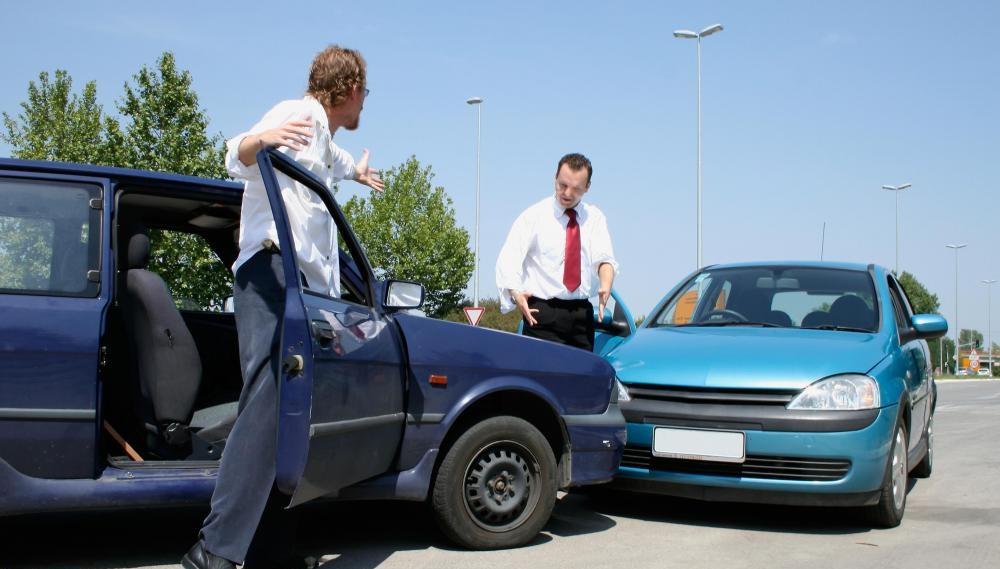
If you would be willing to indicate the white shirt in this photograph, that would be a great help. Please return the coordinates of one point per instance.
(533, 257)
(313, 229)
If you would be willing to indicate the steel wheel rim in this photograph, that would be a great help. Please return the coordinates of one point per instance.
(500, 490)
(899, 470)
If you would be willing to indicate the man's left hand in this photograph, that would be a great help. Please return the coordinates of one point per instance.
(367, 176)
(602, 301)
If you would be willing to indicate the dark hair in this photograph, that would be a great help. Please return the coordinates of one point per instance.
(576, 162)
(334, 72)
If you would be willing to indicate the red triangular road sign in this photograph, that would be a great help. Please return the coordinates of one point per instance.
(474, 313)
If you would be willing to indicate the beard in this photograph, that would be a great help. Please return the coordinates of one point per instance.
(354, 122)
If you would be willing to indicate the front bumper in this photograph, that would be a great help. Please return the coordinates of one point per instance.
(596, 444)
(796, 467)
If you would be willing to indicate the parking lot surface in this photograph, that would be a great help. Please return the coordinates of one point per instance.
(952, 521)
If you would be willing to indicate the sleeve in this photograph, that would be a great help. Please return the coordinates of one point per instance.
(601, 250)
(342, 163)
(510, 263)
(278, 115)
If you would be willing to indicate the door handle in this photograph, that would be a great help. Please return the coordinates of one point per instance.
(323, 333)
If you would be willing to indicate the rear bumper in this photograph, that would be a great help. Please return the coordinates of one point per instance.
(596, 444)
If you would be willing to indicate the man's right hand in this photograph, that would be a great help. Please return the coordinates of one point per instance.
(521, 298)
(293, 134)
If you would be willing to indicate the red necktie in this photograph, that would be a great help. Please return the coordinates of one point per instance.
(571, 270)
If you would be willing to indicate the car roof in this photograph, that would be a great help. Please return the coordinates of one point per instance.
(806, 264)
(120, 174)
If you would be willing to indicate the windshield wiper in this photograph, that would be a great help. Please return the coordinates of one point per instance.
(731, 323)
(838, 328)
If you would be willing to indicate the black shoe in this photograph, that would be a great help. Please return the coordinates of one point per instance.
(199, 558)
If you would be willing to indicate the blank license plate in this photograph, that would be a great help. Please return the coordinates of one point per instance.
(696, 444)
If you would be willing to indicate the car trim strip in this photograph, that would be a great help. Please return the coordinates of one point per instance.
(48, 414)
(351, 425)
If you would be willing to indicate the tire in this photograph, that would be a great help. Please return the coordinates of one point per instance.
(889, 510)
(496, 486)
(924, 468)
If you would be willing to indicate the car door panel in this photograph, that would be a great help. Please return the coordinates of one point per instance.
(341, 391)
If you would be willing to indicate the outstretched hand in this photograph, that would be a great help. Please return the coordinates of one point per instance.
(521, 298)
(602, 301)
(293, 134)
(367, 176)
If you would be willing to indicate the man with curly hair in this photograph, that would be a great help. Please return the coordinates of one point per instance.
(248, 523)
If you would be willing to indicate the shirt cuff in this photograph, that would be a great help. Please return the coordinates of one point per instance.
(234, 166)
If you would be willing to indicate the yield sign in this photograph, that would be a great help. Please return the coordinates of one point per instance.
(474, 313)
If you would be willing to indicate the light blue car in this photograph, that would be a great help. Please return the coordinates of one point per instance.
(790, 383)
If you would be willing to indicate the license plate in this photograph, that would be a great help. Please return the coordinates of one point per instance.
(699, 444)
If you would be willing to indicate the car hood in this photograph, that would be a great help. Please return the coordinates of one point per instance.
(743, 358)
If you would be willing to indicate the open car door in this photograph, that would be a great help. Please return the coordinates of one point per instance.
(614, 326)
(342, 383)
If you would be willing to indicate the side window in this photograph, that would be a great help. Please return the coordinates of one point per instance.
(49, 238)
(195, 276)
(898, 307)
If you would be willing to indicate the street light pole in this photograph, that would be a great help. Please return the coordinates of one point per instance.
(958, 330)
(477, 101)
(896, 190)
(687, 34)
(989, 314)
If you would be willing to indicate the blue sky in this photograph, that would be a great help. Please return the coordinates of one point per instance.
(808, 108)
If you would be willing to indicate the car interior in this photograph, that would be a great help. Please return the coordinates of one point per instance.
(172, 379)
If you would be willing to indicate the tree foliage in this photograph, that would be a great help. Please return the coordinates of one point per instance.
(921, 299)
(409, 232)
(160, 127)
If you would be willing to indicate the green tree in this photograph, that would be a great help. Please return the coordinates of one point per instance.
(409, 232)
(57, 124)
(160, 128)
(970, 339)
(921, 299)
(165, 130)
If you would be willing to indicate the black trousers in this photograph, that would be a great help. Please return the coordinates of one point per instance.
(569, 322)
(248, 520)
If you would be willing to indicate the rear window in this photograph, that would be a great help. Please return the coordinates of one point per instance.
(49, 238)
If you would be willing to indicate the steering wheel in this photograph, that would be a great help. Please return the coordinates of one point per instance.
(724, 312)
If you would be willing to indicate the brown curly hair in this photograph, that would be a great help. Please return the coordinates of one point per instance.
(334, 72)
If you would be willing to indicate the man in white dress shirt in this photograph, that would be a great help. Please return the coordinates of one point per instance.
(557, 256)
(247, 522)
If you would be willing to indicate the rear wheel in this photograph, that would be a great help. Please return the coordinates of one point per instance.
(496, 487)
(924, 467)
(888, 512)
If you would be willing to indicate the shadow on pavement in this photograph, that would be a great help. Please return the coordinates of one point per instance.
(750, 517)
(342, 535)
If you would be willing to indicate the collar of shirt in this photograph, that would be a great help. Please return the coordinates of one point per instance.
(560, 212)
(318, 112)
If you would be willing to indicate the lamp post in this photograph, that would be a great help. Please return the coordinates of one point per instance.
(896, 190)
(989, 313)
(687, 34)
(958, 330)
(477, 101)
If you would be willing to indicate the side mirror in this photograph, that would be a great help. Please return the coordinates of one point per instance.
(404, 294)
(929, 326)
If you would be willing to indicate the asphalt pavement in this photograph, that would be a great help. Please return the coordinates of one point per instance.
(952, 521)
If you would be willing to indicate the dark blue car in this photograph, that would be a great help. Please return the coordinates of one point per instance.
(112, 397)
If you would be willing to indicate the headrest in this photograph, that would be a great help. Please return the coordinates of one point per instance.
(849, 304)
(138, 251)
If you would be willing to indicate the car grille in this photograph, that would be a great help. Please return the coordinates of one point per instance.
(712, 396)
(770, 467)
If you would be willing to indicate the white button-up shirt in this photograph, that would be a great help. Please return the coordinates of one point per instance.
(534, 255)
(313, 229)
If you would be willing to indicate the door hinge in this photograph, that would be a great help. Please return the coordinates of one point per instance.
(97, 203)
(102, 360)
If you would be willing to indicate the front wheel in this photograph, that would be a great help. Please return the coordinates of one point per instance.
(888, 512)
(496, 487)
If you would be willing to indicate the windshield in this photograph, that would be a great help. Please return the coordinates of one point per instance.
(781, 297)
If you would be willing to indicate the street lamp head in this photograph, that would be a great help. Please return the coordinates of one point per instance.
(989, 281)
(896, 188)
(710, 30)
(685, 34)
(956, 247)
(474, 100)
(904, 186)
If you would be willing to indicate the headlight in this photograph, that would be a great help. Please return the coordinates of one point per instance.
(620, 393)
(839, 393)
